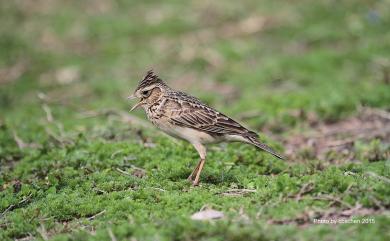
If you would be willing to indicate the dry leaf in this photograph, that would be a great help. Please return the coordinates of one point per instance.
(207, 214)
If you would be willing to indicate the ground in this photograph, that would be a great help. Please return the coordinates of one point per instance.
(312, 77)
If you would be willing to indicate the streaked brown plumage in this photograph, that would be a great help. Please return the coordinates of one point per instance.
(186, 117)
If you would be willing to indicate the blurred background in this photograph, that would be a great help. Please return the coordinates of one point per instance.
(326, 57)
(277, 67)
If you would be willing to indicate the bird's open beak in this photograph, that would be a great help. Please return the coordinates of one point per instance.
(132, 97)
(135, 107)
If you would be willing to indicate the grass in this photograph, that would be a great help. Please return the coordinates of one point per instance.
(75, 166)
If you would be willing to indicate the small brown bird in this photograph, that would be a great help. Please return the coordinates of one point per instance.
(185, 117)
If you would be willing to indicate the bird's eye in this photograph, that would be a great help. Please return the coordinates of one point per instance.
(145, 93)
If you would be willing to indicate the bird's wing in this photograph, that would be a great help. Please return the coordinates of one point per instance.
(188, 111)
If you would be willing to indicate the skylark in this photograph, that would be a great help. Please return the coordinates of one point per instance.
(185, 117)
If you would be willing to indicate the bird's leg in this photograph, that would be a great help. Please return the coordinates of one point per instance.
(190, 177)
(198, 169)
(196, 181)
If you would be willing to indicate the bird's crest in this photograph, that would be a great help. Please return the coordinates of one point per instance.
(149, 79)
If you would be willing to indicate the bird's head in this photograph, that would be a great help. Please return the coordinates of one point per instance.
(149, 90)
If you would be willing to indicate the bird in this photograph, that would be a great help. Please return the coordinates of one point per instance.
(185, 117)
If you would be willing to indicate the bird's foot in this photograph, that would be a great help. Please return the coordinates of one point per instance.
(190, 178)
(193, 181)
(195, 175)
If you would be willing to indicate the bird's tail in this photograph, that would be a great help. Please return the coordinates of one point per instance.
(255, 141)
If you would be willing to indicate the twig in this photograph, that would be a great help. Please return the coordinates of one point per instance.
(331, 198)
(306, 188)
(138, 168)
(123, 172)
(241, 190)
(116, 153)
(238, 192)
(133, 167)
(158, 189)
(96, 215)
(12, 206)
(137, 172)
